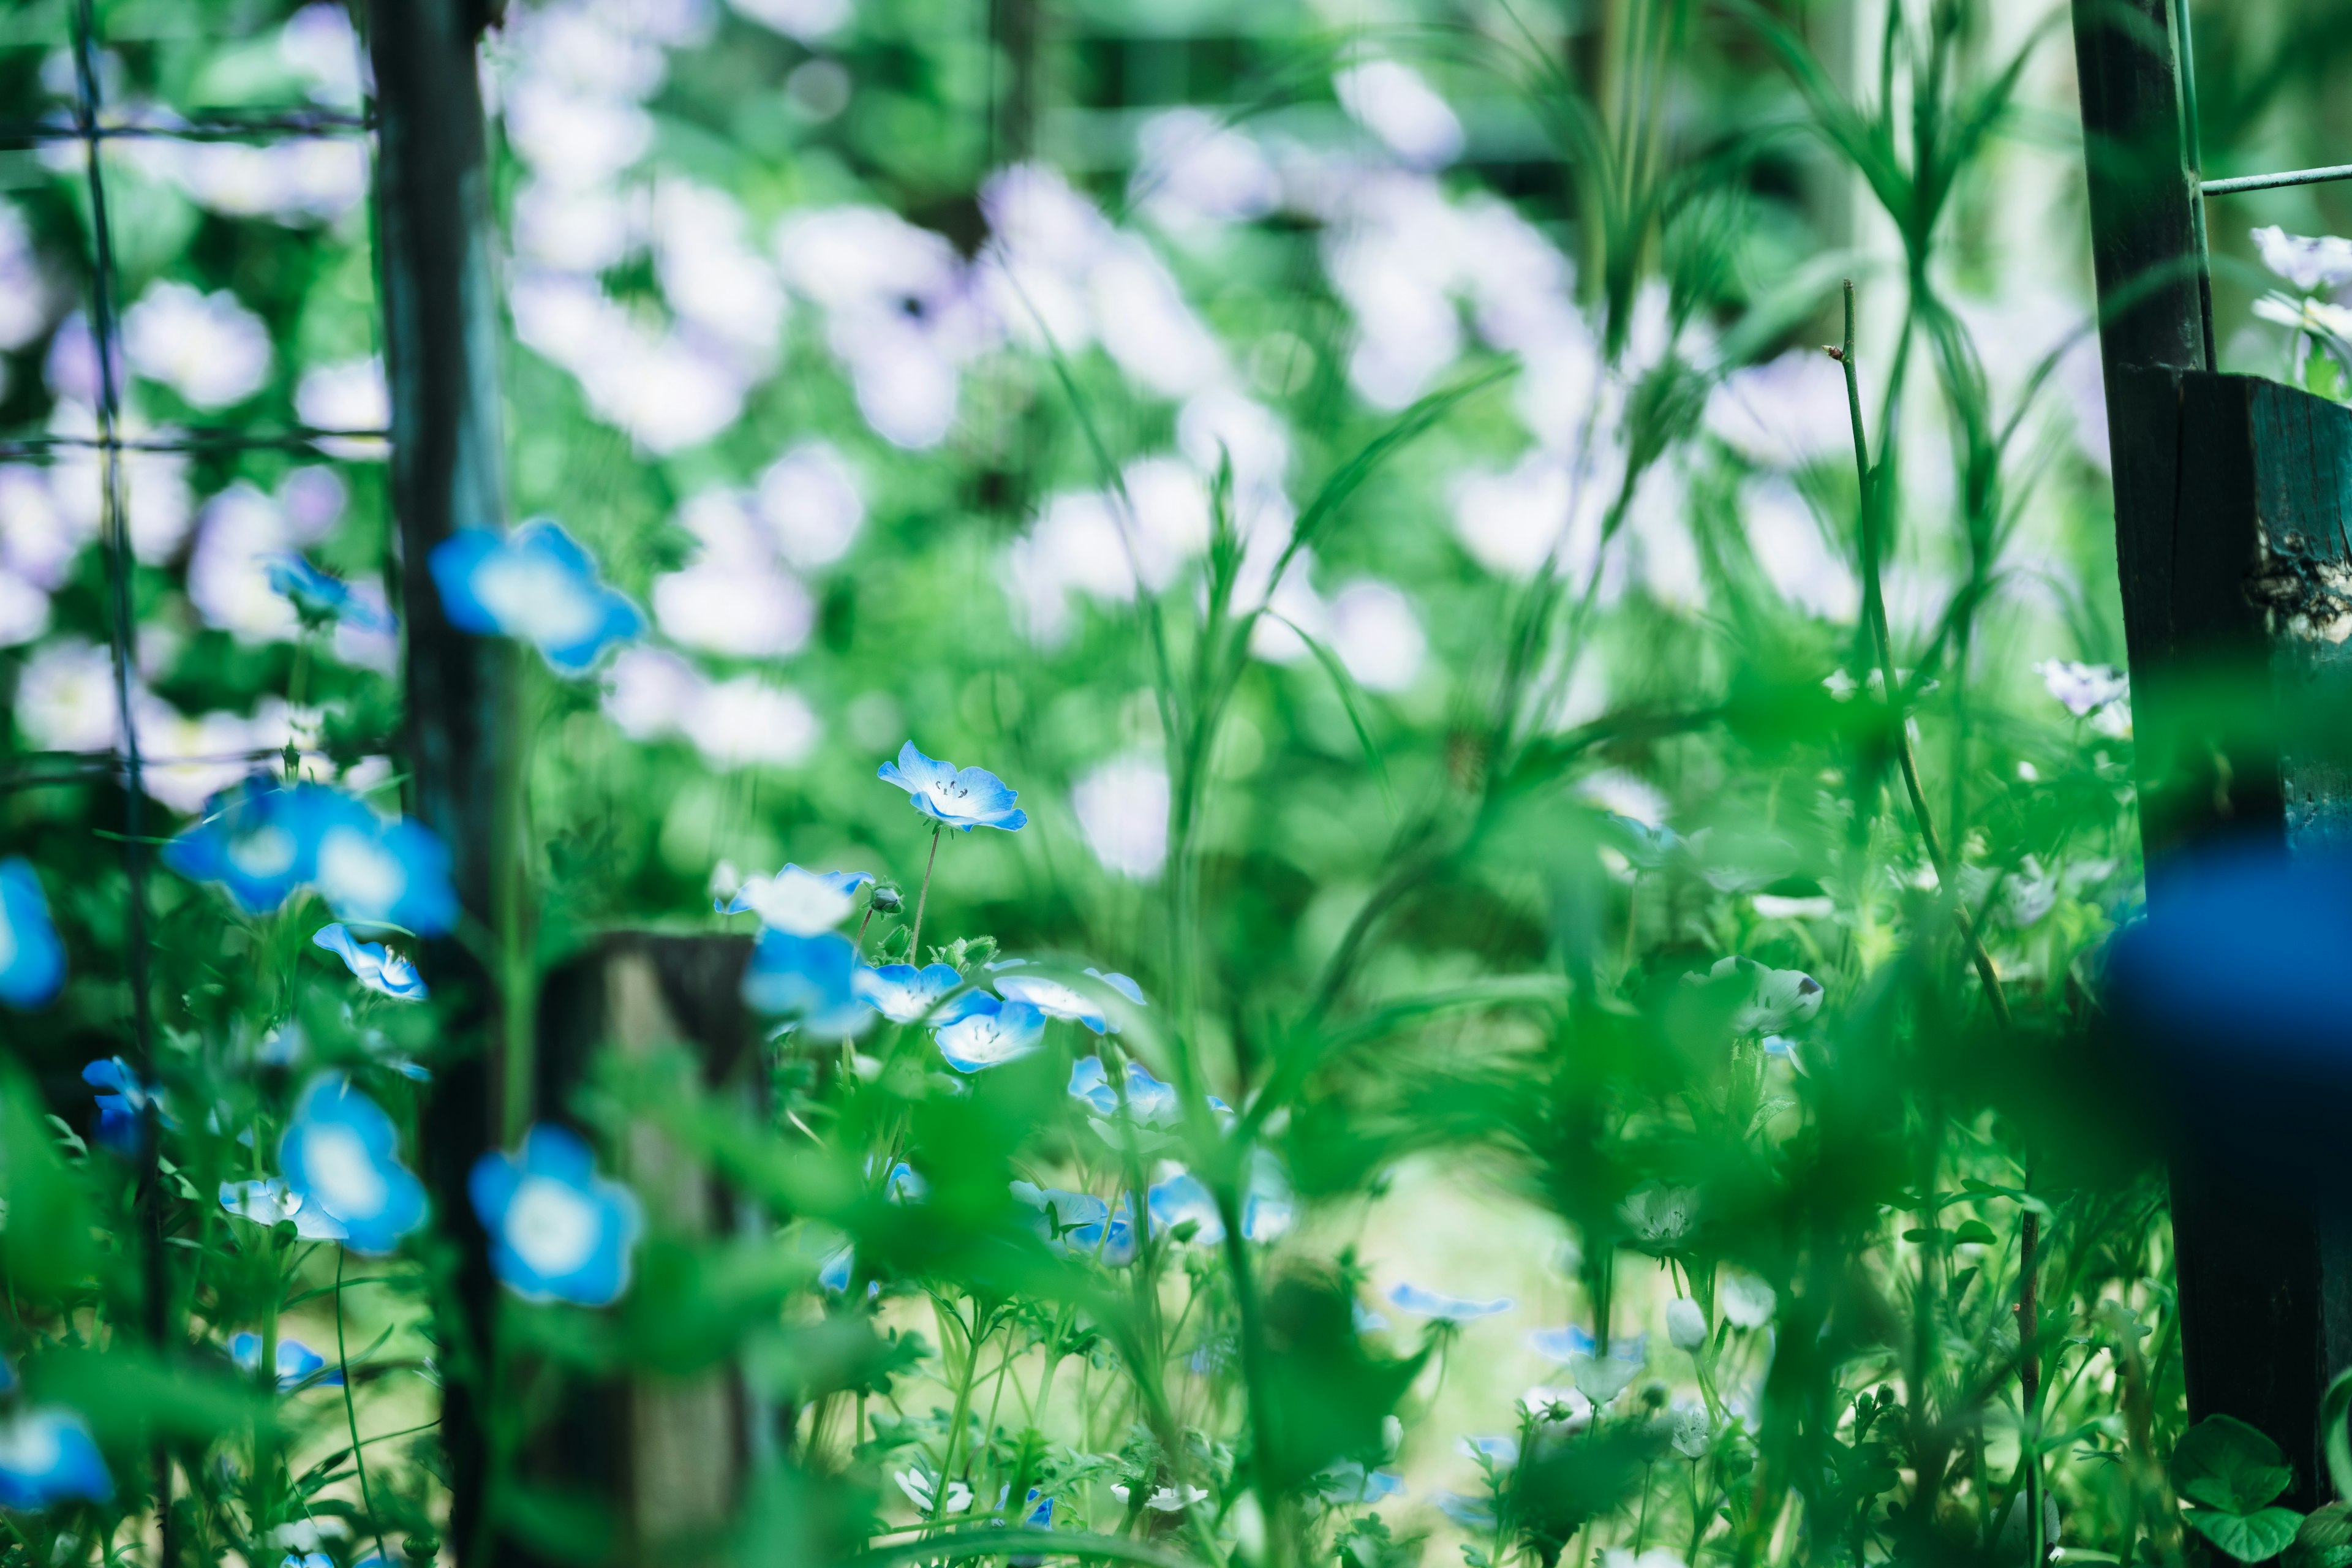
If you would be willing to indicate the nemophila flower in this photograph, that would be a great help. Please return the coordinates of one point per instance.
(1182, 1199)
(1163, 1499)
(1472, 1513)
(267, 1200)
(1603, 1378)
(122, 1101)
(1659, 1217)
(1500, 1448)
(558, 1230)
(341, 1155)
(921, 1489)
(1348, 1481)
(1763, 999)
(1081, 1224)
(48, 1455)
(807, 980)
(536, 586)
(296, 1363)
(1690, 1431)
(904, 994)
(988, 1036)
(2083, 688)
(801, 902)
(378, 967)
(1746, 1299)
(833, 1273)
(1052, 997)
(318, 597)
(1149, 1100)
(259, 840)
(1686, 1323)
(1645, 846)
(374, 872)
(1562, 1343)
(32, 959)
(1426, 1304)
(971, 798)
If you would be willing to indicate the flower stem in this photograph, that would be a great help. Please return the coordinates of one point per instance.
(350, 1412)
(1873, 610)
(915, 940)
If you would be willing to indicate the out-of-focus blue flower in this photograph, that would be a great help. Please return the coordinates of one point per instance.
(1472, 1513)
(1267, 1208)
(318, 597)
(267, 1201)
(1041, 1510)
(1499, 1446)
(990, 1037)
(1562, 1343)
(904, 994)
(1149, 1100)
(1646, 846)
(1124, 985)
(971, 798)
(801, 902)
(1349, 1481)
(32, 959)
(833, 1273)
(2239, 961)
(122, 1105)
(378, 967)
(1081, 1224)
(808, 980)
(1425, 1303)
(296, 1361)
(558, 1230)
(341, 1154)
(308, 1560)
(536, 586)
(1052, 997)
(48, 1455)
(264, 839)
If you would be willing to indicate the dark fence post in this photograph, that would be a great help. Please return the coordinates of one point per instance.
(2230, 497)
(434, 251)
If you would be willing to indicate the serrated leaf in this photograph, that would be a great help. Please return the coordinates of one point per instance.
(2254, 1537)
(2225, 1464)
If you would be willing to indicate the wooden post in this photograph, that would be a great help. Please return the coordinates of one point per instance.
(434, 256)
(2231, 503)
(671, 1454)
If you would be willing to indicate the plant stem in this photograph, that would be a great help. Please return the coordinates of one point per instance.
(1873, 609)
(351, 1411)
(915, 940)
(2028, 1373)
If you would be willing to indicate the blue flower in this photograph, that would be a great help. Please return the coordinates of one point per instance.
(1149, 1100)
(1348, 1481)
(48, 1455)
(341, 1155)
(1267, 1208)
(971, 798)
(265, 839)
(1052, 997)
(833, 1273)
(317, 597)
(378, 967)
(1562, 1343)
(1124, 985)
(1472, 1513)
(1427, 1304)
(296, 1363)
(990, 1037)
(267, 1201)
(558, 1230)
(536, 586)
(807, 979)
(801, 902)
(904, 994)
(32, 959)
(1081, 1224)
(2238, 962)
(122, 1105)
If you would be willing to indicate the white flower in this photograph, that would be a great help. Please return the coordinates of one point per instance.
(1601, 1378)
(2308, 263)
(1393, 103)
(805, 20)
(207, 348)
(1745, 1298)
(1660, 1215)
(1686, 1323)
(810, 500)
(1122, 809)
(1165, 1499)
(1785, 413)
(347, 396)
(1376, 635)
(2081, 688)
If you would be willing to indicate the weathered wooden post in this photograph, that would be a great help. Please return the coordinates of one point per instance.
(2232, 499)
(436, 255)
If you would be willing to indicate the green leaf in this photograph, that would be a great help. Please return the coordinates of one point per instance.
(2248, 1537)
(2225, 1464)
(1974, 1230)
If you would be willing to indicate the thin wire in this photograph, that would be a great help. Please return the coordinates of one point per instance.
(186, 441)
(155, 1276)
(2274, 182)
(35, 132)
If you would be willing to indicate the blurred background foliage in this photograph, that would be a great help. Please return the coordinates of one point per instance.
(961, 371)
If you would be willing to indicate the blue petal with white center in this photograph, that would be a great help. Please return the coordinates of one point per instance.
(965, 799)
(801, 902)
(1149, 1100)
(379, 968)
(372, 872)
(904, 994)
(807, 980)
(32, 959)
(48, 1455)
(341, 1155)
(297, 1363)
(1428, 1303)
(1080, 1224)
(558, 1232)
(991, 1036)
(318, 597)
(1054, 998)
(259, 841)
(267, 1201)
(536, 586)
